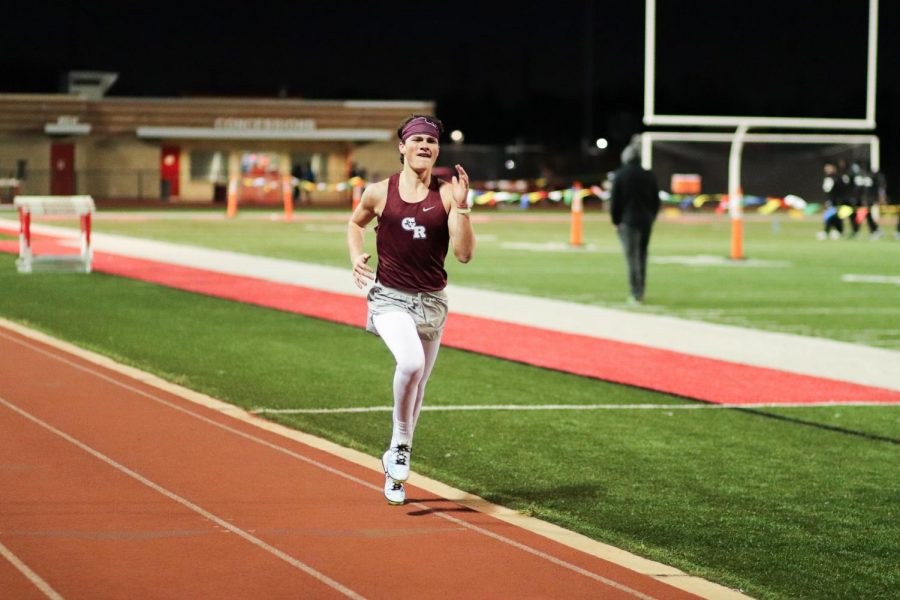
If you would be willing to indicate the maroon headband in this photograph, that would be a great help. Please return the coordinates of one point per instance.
(420, 125)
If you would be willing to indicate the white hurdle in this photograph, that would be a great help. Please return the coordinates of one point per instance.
(80, 206)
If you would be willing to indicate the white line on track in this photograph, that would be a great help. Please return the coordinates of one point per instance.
(525, 407)
(33, 577)
(186, 503)
(253, 438)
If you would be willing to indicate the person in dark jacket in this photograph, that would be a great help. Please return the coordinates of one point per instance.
(832, 225)
(634, 204)
(870, 184)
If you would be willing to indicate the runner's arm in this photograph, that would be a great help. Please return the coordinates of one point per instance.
(462, 236)
(356, 229)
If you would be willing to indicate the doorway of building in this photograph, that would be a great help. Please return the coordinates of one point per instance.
(170, 172)
(62, 169)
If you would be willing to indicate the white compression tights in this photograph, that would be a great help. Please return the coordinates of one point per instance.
(415, 359)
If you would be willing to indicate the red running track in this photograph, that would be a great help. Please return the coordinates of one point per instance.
(113, 488)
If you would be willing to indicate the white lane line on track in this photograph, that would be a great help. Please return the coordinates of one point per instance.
(526, 407)
(185, 502)
(33, 577)
(291, 453)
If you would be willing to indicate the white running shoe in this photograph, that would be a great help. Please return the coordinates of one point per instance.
(396, 462)
(394, 491)
(821, 235)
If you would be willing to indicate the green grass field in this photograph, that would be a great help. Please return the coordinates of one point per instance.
(786, 503)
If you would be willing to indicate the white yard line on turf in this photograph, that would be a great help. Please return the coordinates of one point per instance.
(553, 247)
(526, 407)
(706, 260)
(816, 357)
(889, 279)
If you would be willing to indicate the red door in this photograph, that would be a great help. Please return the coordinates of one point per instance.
(169, 170)
(62, 169)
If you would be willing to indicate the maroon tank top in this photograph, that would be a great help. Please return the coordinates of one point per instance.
(412, 240)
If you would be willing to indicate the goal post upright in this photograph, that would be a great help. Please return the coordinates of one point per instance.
(649, 59)
(872, 63)
(736, 193)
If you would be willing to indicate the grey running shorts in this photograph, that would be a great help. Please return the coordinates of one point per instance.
(428, 309)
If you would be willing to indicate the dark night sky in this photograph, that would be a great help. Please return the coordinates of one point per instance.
(501, 73)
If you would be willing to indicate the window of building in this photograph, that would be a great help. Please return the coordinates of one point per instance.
(309, 166)
(259, 163)
(208, 165)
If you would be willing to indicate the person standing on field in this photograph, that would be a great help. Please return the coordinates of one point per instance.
(832, 225)
(870, 200)
(843, 192)
(419, 216)
(634, 204)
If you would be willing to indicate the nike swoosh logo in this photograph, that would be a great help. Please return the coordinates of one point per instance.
(427, 209)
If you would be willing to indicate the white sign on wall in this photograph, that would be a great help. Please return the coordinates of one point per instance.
(261, 124)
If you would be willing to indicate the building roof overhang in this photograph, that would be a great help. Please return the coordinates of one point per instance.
(215, 133)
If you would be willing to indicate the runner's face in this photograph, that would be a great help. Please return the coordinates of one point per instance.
(420, 150)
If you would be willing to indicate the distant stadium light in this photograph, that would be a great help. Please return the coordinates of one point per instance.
(457, 136)
(602, 143)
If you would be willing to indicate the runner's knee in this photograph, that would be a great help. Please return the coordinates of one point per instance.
(411, 366)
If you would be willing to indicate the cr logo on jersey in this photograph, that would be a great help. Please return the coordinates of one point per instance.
(409, 224)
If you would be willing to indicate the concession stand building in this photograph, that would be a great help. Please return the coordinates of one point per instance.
(189, 149)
